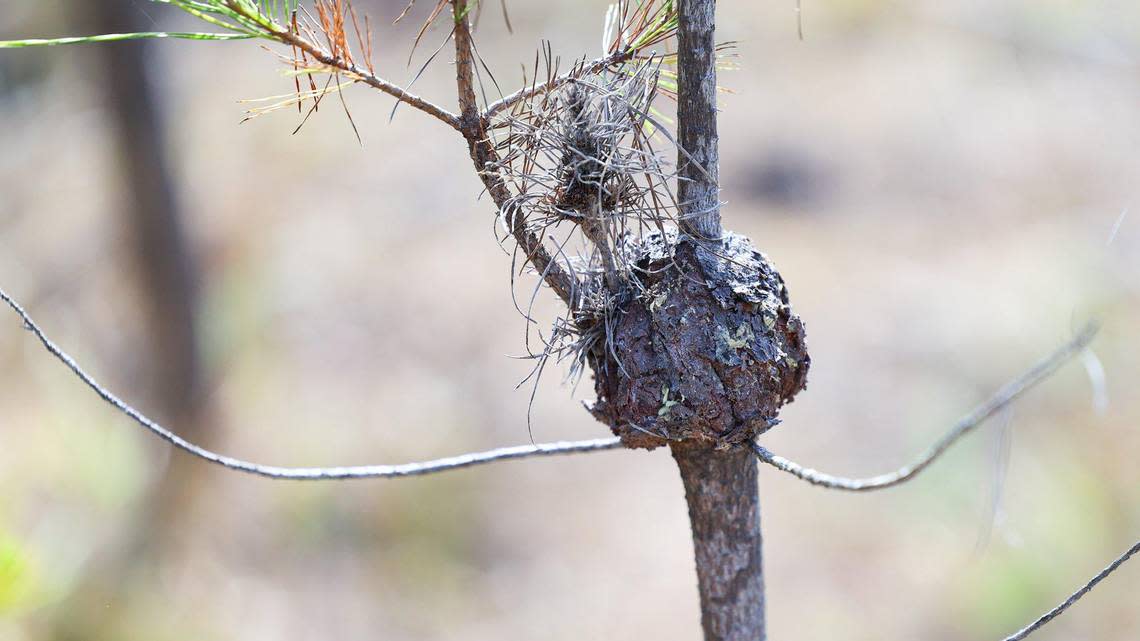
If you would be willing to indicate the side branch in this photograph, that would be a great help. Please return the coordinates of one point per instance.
(1004, 396)
(483, 154)
(526, 93)
(307, 473)
(632, 29)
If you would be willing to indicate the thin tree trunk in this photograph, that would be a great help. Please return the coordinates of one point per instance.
(720, 486)
(698, 187)
(724, 509)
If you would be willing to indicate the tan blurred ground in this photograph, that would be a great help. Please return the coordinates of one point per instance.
(937, 181)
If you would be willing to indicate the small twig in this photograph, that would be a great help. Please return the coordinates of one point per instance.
(1074, 597)
(533, 89)
(651, 23)
(1004, 396)
(307, 473)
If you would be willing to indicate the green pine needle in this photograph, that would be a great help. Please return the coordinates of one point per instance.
(116, 37)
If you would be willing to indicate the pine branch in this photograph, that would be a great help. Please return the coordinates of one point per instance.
(483, 154)
(306, 473)
(1003, 397)
(367, 77)
(269, 20)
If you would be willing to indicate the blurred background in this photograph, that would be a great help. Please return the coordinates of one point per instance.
(943, 183)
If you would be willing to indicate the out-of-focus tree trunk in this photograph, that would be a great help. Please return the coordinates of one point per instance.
(169, 345)
(164, 262)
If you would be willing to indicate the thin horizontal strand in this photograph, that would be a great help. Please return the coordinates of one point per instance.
(1003, 397)
(308, 473)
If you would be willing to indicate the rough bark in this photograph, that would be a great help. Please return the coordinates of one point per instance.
(724, 508)
(698, 161)
(710, 351)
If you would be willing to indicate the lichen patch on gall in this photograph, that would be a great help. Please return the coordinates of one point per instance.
(709, 350)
